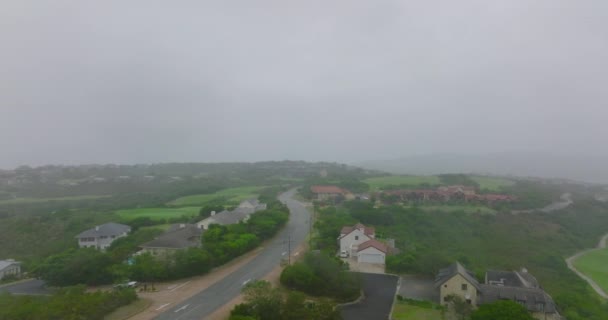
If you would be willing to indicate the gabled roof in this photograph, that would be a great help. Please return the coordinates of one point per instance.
(7, 263)
(529, 297)
(368, 231)
(454, 269)
(106, 229)
(327, 189)
(178, 237)
(373, 243)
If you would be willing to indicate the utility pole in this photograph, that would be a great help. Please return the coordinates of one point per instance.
(289, 250)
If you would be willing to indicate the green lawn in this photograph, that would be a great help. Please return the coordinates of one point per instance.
(34, 200)
(404, 310)
(157, 213)
(453, 208)
(230, 195)
(378, 183)
(595, 265)
(492, 183)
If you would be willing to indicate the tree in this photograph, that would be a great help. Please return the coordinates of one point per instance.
(462, 308)
(502, 310)
(265, 301)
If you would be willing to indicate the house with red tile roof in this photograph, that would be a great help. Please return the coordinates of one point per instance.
(352, 236)
(328, 192)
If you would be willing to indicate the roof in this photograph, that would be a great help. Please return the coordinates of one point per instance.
(373, 243)
(231, 217)
(529, 297)
(106, 229)
(178, 237)
(454, 269)
(326, 189)
(6, 263)
(368, 231)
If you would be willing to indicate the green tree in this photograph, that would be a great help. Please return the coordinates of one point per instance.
(502, 310)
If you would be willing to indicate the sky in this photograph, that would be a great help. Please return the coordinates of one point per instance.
(345, 80)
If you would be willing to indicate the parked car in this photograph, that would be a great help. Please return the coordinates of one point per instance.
(130, 284)
(343, 254)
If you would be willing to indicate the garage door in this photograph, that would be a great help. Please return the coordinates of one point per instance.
(371, 258)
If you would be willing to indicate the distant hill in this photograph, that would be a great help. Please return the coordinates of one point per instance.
(593, 169)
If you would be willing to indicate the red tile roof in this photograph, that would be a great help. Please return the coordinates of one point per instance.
(327, 189)
(373, 243)
(368, 231)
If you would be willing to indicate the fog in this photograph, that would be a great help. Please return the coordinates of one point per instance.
(346, 81)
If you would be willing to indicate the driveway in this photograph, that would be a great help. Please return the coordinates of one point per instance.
(418, 288)
(27, 287)
(379, 294)
(363, 266)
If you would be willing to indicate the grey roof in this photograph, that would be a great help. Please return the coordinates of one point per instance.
(106, 229)
(177, 237)
(454, 269)
(6, 263)
(231, 217)
(511, 279)
(529, 297)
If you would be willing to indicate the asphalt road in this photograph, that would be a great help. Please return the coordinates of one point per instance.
(379, 290)
(205, 302)
(28, 287)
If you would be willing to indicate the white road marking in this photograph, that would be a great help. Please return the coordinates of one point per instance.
(246, 282)
(164, 305)
(182, 308)
(181, 285)
(284, 253)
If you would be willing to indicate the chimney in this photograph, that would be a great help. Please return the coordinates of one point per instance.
(212, 213)
(96, 228)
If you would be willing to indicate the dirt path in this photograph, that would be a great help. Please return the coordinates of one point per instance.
(570, 262)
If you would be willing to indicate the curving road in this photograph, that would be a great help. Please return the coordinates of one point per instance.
(205, 302)
(570, 263)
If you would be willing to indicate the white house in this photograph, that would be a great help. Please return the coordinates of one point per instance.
(242, 213)
(351, 237)
(9, 267)
(102, 236)
(372, 251)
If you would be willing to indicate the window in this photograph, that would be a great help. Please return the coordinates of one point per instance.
(356, 237)
(464, 287)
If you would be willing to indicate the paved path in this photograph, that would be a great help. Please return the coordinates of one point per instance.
(379, 295)
(26, 287)
(570, 263)
(207, 301)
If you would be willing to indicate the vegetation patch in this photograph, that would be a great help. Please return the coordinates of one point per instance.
(479, 209)
(158, 213)
(388, 182)
(230, 195)
(492, 183)
(417, 310)
(594, 264)
(58, 199)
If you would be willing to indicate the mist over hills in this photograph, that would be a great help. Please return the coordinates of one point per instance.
(573, 167)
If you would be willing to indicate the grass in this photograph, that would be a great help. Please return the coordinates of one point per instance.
(405, 310)
(232, 195)
(378, 183)
(594, 264)
(126, 312)
(454, 208)
(35, 200)
(157, 213)
(492, 183)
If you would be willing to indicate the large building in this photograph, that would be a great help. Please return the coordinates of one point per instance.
(518, 286)
(102, 236)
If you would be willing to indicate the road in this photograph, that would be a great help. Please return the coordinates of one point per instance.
(379, 294)
(570, 263)
(28, 287)
(205, 302)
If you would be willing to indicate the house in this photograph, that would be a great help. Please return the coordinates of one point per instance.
(372, 251)
(241, 213)
(323, 193)
(102, 236)
(518, 286)
(179, 236)
(9, 267)
(351, 237)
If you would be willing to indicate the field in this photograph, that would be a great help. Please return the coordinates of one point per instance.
(157, 213)
(595, 265)
(404, 310)
(378, 183)
(231, 195)
(35, 200)
(492, 183)
(454, 208)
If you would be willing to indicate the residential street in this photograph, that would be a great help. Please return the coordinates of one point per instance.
(205, 302)
(379, 294)
(29, 287)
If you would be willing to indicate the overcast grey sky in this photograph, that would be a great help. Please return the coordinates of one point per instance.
(349, 80)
